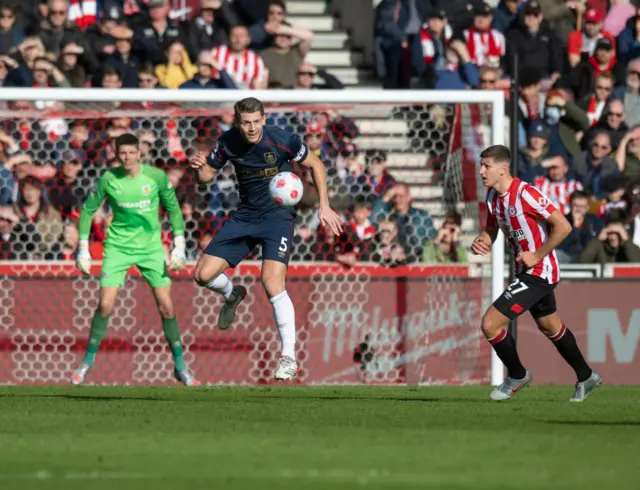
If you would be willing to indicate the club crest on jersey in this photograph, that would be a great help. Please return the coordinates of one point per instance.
(542, 201)
(512, 211)
(270, 157)
(146, 189)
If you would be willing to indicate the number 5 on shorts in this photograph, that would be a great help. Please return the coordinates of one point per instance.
(283, 245)
(517, 286)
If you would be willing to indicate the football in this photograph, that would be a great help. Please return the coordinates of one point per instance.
(285, 189)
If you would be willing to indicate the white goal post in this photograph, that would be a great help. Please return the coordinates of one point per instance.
(316, 98)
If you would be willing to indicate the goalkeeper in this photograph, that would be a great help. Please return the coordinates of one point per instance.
(133, 191)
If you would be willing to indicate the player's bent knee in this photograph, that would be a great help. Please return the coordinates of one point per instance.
(492, 323)
(549, 324)
(166, 310)
(105, 308)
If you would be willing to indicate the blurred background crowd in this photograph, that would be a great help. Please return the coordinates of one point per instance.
(578, 99)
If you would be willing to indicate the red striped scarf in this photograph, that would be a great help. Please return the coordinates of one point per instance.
(492, 49)
(428, 46)
(83, 12)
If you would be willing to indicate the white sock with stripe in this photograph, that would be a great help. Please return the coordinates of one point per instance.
(285, 317)
(221, 284)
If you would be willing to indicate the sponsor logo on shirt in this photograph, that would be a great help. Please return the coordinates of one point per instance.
(300, 154)
(543, 201)
(145, 203)
(517, 235)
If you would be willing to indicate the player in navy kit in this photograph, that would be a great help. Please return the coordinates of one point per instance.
(258, 152)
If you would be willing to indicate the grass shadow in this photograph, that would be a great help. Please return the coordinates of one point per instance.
(605, 423)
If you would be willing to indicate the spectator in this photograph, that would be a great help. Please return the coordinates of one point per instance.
(611, 246)
(147, 77)
(306, 74)
(585, 226)
(8, 149)
(629, 40)
(153, 36)
(594, 167)
(67, 245)
(262, 31)
(11, 34)
(562, 16)
(111, 78)
(36, 225)
(415, 226)
(530, 157)
(72, 71)
(20, 70)
(618, 15)
(435, 35)
(244, 66)
(603, 60)
(380, 180)
(617, 200)
(534, 43)
(123, 59)
(486, 46)
(505, 15)
(4, 69)
(284, 58)
(582, 44)
(555, 185)
(614, 122)
(46, 74)
(313, 139)
(446, 247)
(360, 221)
(530, 101)
(459, 72)
(628, 155)
(595, 102)
(386, 249)
(64, 191)
(344, 248)
(488, 78)
(397, 31)
(209, 29)
(630, 93)
(98, 36)
(178, 67)
(204, 78)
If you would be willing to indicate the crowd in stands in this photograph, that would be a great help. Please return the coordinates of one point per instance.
(578, 97)
(579, 102)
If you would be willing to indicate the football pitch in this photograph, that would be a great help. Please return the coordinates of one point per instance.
(317, 438)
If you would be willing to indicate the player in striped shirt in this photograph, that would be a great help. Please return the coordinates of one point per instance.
(534, 227)
(555, 185)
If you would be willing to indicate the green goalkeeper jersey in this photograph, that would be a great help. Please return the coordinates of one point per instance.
(134, 201)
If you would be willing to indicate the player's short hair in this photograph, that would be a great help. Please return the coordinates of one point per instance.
(127, 139)
(247, 106)
(497, 153)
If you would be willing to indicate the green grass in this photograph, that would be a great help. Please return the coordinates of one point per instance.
(317, 438)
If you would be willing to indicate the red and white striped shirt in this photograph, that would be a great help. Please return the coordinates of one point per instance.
(485, 48)
(428, 45)
(83, 12)
(245, 68)
(521, 214)
(558, 192)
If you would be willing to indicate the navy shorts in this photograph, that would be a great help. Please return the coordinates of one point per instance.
(238, 237)
(527, 293)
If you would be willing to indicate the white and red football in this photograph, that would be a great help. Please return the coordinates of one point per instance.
(286, 189)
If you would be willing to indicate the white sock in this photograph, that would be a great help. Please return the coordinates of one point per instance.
(221, 284)
(285, 317)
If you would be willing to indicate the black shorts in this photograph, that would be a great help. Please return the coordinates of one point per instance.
(527, 293)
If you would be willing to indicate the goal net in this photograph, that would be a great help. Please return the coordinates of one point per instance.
(390, 301)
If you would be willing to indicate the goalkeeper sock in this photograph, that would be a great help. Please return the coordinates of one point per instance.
(221, 284)
(172, 334)
(505, 346)
(565, 342)
(285, 317)
(99, 326)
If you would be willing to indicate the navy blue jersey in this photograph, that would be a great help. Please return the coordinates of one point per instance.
(256, 164)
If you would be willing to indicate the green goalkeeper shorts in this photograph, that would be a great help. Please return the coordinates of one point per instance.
(116, 263)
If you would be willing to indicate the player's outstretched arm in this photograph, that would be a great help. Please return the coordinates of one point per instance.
(204, 172)
(328, 217)
(170, 202)
(91, 205)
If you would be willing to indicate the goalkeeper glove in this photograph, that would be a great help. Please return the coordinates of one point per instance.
(178, 257)
(83, 260)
